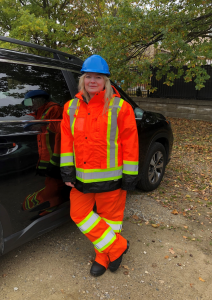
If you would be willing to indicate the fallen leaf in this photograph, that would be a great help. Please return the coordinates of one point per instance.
(62, 291)
(125, 267)
(132, 269)
(206, 199)
(188, 196)
(193, 239)
(201, 279)
(191, 284)
(166, 257)
(185, 237)
(179, 264)
(184, 213)
(147, 222)
(125, 272)
(135, 217)
(185, 227)
(201, 223)
(175, 212)
(171, 251)
(155, 225)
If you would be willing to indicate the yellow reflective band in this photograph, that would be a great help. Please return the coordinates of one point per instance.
(130, 162)
(98, 175)
(108, 132)
(105, 240)
(113, 222)
(86, 219)
(103, 236)
(108, 244)
(67, 159)
(67, 154)
(92, 226)
(115, 225)
(116, 147)
(75, 114)
(70, 103)
(130, 167)
(44, 114)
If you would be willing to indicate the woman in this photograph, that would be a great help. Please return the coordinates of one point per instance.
(99, 160)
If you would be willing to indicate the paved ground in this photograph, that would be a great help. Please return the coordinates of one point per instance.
(170, 234)
(161, 262)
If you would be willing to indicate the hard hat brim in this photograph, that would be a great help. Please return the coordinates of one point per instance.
(95, 71)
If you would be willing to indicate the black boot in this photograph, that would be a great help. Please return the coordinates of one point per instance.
(97, 269)
(114, 265)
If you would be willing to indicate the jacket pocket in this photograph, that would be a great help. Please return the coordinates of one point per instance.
(79, 124)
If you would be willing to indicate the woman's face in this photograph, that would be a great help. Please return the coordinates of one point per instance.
(94, 83)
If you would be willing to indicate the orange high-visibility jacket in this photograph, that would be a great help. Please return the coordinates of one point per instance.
(49, 140)
(99, 151)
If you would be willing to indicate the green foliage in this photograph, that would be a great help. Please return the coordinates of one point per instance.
(178, 32)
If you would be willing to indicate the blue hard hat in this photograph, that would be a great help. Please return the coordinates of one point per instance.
(36, 93)
(96, 64)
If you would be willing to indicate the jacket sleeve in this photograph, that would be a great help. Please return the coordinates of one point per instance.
(130, 147)
(67, 167)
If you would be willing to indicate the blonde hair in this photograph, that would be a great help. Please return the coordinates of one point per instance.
(108, 91)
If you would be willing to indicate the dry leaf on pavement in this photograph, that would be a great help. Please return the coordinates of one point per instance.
(171, 251)
(201, 279)
(175, 212)
(125, 267)
(166, 257)
(155, 225)
(185, 237)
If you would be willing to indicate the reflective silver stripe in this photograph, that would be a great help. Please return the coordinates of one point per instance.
(115, 227)
(131, 168)
(98, 175)
(105, 240)
(89, 222)
(114, 107)
(66, 159)
(72, 111)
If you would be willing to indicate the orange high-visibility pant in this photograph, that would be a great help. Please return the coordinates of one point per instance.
(102, 228)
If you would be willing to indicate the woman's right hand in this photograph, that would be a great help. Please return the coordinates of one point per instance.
(70, 184)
